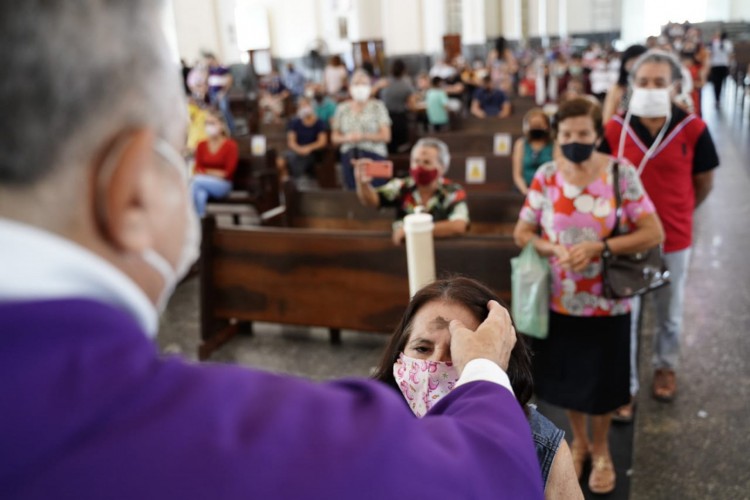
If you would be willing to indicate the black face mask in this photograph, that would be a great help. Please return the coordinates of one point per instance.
(538, 133)
(577, 152)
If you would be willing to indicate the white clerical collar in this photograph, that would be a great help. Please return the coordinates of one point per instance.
(39, 265)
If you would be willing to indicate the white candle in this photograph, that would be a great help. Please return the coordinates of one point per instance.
(420, 251)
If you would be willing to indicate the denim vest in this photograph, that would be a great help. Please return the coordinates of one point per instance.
(547, 439)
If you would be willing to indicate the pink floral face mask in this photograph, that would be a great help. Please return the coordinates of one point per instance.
(423, 383)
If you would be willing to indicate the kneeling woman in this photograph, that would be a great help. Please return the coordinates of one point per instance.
(417, 362)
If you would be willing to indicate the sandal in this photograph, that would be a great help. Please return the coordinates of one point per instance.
(602, 478)
(580, 455)
(665, 385)
(625, 413)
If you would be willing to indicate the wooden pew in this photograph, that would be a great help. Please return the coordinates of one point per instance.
(336, 279)
(255, 185)
(490, 213)
(475, 142)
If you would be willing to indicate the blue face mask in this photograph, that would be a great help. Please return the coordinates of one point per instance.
(577, 152)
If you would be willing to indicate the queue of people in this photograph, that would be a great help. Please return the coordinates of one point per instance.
(569, 216)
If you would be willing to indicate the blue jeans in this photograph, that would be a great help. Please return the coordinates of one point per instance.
(204, 187)
(668, 305)
(347, 171)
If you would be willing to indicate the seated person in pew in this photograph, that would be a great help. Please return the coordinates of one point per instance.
(361, 127)
(306, 136)
(426, 186)
(417, 363)
(324, 106)
(436, 105)
(489, 101)
(533, 149)
(215, 162)
(100, 413)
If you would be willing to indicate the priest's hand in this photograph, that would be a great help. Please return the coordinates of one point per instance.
(493, 339)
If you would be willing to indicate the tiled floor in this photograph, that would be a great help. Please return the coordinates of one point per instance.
(694, 448)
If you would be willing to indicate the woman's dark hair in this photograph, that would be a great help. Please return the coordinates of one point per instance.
(474, 296)
(580, 106)
(631, 53)
(398, 68)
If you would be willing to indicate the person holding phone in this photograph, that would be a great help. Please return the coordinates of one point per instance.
(426, 186)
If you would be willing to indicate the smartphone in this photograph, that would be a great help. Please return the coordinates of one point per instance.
(379, 169)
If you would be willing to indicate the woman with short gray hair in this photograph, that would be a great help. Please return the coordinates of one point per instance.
(426, 187)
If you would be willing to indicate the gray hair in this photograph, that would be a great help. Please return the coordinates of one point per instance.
(360, 73)
(444, 155)
(658, 56)
(76, 74)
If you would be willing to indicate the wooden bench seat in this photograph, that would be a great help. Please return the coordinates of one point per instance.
(490, 213)
(335, 279)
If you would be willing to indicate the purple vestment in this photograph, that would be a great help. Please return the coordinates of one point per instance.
(90, 410)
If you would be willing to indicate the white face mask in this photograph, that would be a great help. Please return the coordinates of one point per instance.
(360, 93)
(212, 130)
(650, 103)
(423, 383)
(190, 250)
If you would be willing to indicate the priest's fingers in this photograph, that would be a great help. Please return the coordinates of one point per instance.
(493, 339)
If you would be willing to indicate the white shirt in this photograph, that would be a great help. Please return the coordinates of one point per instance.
(39, 265)
(720, 52)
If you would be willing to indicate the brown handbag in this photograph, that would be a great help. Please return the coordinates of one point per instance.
(630, 274)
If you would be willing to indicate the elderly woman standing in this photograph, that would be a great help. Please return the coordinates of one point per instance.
(583, 364)
(426, 186)
(361, 126)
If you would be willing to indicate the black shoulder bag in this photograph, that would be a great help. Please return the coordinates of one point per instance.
(631, 274)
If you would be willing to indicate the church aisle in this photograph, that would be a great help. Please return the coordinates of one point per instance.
(695, 448)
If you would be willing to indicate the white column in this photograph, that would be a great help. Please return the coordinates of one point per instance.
(472, 20)
(740, 10)
(511, 19)
(493, 18)
(720, 10)
(365, 21)
(433, 26)
(402, 27)
(196, 29)
(542, 22)
(634, 29)
(170, 29)
(562, 18)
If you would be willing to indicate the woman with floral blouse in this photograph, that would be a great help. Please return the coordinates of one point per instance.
(569, 215)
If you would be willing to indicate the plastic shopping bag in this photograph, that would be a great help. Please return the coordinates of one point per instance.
(530, 292)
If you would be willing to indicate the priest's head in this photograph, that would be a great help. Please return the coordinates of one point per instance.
(93, 119)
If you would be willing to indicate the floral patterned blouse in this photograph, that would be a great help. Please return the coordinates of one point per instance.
(569, 215)
(448, 202)
(370, 120)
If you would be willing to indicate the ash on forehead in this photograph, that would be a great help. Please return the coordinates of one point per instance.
(439, 323)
